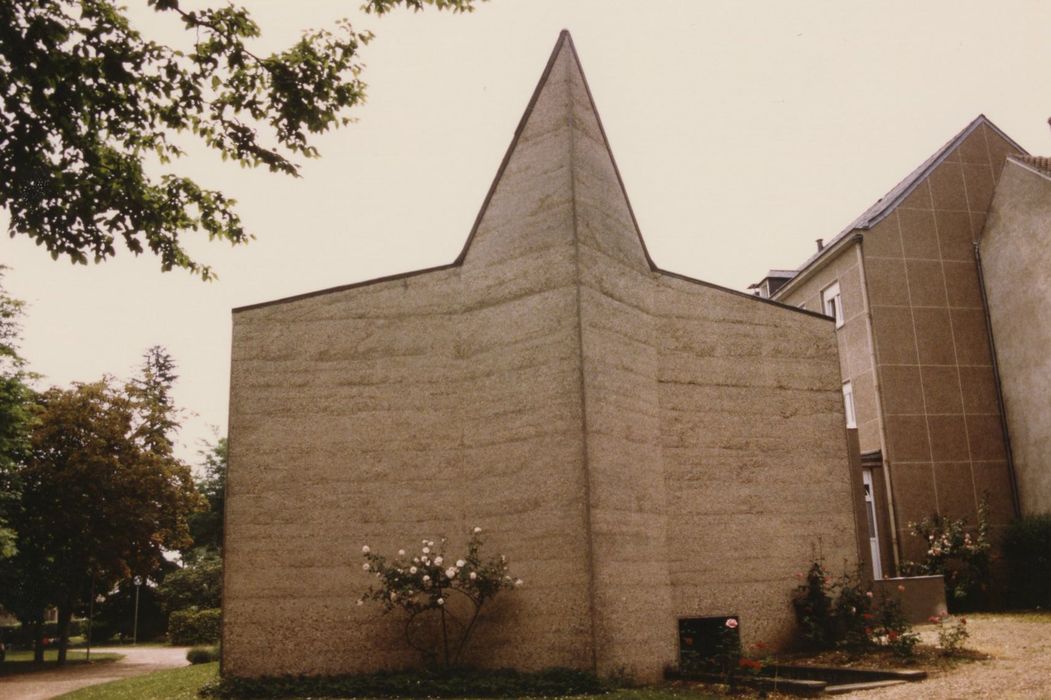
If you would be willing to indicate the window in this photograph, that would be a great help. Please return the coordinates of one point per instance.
(832, 302)
(848, 405)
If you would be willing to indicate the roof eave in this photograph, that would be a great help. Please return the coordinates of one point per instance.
(828, 254)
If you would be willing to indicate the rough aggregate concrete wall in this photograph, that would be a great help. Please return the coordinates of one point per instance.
(412, 408)
(634, 628)
(855, 349)
(1016, 264)
(644, 448)
(755, 456)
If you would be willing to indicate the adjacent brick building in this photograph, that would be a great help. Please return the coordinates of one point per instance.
(917, 358)
(647, 448)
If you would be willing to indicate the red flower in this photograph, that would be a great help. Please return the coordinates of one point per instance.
(892, 635)
(749, 663)
(934, 619)
(688, 640)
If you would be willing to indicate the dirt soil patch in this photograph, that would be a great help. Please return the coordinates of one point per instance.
(1008, 657)
(1018, 647)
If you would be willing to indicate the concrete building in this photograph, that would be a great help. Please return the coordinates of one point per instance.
(917, 359)
(1016, 268)
(647, 448)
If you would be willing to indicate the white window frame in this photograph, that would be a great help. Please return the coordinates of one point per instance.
(848, 405)
(832, 303)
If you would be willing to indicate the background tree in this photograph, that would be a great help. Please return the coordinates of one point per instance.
(206, 526)
(199, 585)
(85, 100)
(98, 504)
(15, 413)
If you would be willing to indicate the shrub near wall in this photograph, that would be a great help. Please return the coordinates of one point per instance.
(192, 626)
(1027, 552)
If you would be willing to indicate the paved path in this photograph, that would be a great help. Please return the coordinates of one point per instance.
(1020, 667)
(48, 684)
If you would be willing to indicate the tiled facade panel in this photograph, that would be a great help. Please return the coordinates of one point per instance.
(1016, 258)
(944, 439)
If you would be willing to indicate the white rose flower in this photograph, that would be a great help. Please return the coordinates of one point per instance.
(426, 578)
(360, 601)
(412, 569)
(518, 582)
(460, 563)
(365, 566)
(401, 552)
(451, 572)
(473, 576)
(365, 549)
(477, 530)
(438, 561)
(441, 601)
(426, 550)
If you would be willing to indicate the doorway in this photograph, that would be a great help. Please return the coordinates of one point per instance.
(870, 517)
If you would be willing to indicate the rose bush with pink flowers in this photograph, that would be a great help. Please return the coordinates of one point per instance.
(442, 600)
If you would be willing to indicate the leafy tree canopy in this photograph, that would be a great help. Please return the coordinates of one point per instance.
(101, 494)
(199, 585)
(206, 526)
(85, 100)
(15, 412)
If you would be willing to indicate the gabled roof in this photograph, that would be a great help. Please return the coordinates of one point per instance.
(629, 237)
(897, 194)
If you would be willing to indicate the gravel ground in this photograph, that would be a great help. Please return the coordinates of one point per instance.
(1020, 667)
(48, 684)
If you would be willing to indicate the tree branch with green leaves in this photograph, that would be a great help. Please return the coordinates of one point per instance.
(86, 101)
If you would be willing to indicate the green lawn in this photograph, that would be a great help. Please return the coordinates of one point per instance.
(22, 661)
(173, 684)
(182, 684)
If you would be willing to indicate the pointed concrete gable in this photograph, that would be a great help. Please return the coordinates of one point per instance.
(605, 221)
(558, 184)
(529, 206)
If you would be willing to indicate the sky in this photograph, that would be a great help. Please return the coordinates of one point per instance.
(743, 131)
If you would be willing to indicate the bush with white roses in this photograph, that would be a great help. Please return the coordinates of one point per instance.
(429, 581)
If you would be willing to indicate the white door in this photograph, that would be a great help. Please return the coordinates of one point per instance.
(870, 510)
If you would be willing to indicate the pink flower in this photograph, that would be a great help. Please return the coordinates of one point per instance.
(901, 588)
(731, 623)
(868, 594)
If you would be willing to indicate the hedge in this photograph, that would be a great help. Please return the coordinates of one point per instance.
(1027, 552)
(459, 683)
(192, 626)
